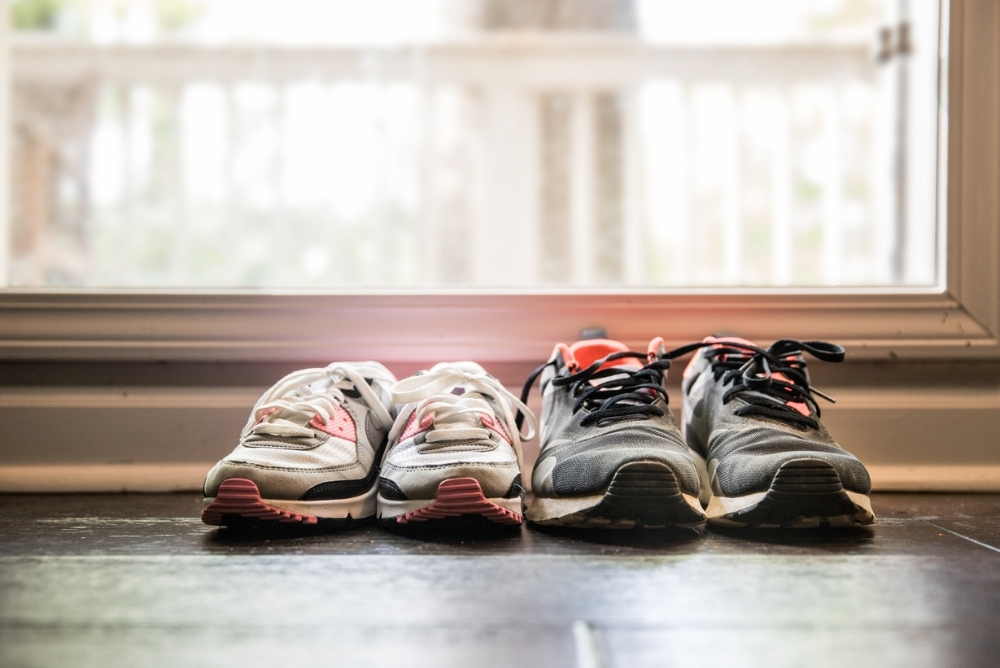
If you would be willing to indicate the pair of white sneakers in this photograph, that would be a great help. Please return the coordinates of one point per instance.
(349, 442)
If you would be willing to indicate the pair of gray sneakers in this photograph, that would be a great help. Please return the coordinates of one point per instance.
(750, 450)
(349, 442)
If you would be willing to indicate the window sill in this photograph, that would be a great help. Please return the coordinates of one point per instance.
(487, 327)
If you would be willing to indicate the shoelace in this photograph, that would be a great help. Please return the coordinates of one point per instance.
(457, 417)
(771, 381)
(287, 408)
(625, 393)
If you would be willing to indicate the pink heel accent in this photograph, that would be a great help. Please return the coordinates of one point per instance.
(239, 496)
(461, 496)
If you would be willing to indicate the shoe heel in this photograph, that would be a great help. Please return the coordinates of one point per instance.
(240, 498)
(648, 494)
(805, 493)
(457, 497)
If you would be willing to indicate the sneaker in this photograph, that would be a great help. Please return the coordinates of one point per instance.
(454, 456)
(309, 452)
(611, 453)
(752, 415)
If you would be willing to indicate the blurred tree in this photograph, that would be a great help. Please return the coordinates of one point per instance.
(175, 15)
(35, 14)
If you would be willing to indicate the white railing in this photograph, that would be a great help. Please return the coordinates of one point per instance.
(507, 161)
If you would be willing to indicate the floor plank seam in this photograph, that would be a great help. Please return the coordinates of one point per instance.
(971, 540)
(589, 650)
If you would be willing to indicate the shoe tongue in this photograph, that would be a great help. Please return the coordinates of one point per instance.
(283, 428)
(589, 351)
(470, 368)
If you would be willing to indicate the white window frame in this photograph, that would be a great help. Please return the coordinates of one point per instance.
(962, 320)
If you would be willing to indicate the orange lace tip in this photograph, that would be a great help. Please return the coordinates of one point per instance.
(568, 358)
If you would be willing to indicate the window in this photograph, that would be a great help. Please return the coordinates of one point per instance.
(623, 144)
(955, 314)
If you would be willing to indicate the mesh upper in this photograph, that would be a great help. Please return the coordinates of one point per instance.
(749, 458)
(586, 467)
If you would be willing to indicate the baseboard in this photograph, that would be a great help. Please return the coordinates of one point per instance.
(189, 477)
(934, 478)
(103, 478)
(60, 439)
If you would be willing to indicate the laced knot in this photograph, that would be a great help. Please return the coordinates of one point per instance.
(610, 392)
(293, 402)
(772, 382)
(457, 398)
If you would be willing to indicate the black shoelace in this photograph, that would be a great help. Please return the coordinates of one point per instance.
(629, 393)
(625, 392)
(768, 380)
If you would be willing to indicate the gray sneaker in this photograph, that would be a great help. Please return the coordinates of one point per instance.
(309, 452)
(454, 455)
(611, 453)
(751, 414)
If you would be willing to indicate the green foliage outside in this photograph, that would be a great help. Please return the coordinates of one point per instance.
(35, 14)
(172, 16)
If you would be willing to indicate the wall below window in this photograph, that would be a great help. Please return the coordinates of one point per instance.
(95, 426)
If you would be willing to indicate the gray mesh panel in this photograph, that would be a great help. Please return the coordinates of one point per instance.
(750, 458)
(586, 467)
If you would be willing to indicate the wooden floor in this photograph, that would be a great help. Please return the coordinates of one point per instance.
(138, 580)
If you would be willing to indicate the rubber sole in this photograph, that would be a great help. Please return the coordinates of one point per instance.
(642, 495)
(458, 502)
(804, 494)
(238, 503)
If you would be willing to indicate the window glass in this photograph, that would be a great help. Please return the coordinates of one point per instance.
(474, 143)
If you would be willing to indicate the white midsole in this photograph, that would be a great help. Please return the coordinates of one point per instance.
(542, 508)
(720, 506)
(359, 506)
(393, 508)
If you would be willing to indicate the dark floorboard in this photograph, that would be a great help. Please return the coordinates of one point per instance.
(138, 580)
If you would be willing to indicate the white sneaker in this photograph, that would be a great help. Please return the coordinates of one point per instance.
(454, 454)
(309, 452)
